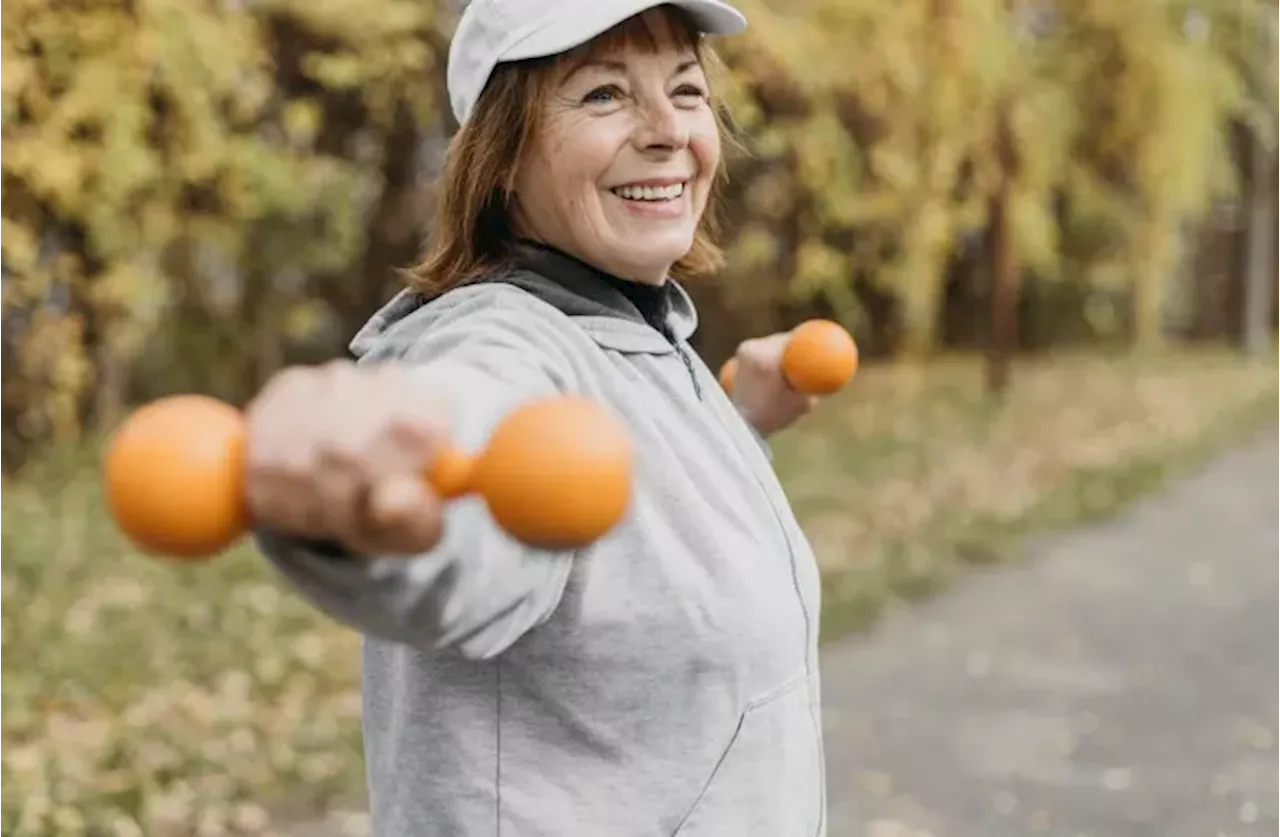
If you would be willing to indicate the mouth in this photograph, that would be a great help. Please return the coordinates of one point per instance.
(645, 193)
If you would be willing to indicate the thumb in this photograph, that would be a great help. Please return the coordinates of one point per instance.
(403, 515)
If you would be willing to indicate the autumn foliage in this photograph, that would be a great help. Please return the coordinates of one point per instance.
(197, 192)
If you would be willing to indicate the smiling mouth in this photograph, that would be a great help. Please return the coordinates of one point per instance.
(650, 194)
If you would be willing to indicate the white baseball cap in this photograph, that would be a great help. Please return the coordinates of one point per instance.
(495, 31)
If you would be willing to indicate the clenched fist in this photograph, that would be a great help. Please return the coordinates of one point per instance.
(338, 452)
(760, 388)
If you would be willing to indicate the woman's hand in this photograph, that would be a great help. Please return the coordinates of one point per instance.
(338, 452)
(761, 392)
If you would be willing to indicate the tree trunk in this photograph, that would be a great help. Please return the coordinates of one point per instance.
(1006, 278)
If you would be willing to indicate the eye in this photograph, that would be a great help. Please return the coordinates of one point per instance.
(689, 94)
(603, 95)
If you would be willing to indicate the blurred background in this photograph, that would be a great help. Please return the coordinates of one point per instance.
(1051, 227)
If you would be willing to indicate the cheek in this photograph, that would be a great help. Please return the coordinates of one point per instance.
(704, 141)
(558, 161)
(579, 156)
(534, 177)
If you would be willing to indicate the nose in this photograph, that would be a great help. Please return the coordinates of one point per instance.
(660, 128)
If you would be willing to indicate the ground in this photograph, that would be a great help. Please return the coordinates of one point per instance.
(1124, 682)
(132, 708)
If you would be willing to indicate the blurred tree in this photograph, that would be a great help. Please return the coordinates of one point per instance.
(1084, 137)
(1259, 297)
(194, 186)
(197, 191)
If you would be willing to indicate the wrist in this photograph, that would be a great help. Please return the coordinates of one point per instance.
(758, 426)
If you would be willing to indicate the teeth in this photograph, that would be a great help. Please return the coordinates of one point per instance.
(650, 193)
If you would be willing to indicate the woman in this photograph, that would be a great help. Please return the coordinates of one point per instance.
(665, 679)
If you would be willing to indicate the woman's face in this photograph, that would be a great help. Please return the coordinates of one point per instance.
(620, 171)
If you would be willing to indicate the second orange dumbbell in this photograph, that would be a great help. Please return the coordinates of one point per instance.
(820, 359)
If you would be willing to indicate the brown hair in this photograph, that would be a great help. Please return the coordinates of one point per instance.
(472, 231)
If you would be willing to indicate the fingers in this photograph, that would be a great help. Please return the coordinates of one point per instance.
(279, 458)
(761, 360)
(403, 517)
(761, 390)
(339, 452)
(763, 354)
(399, 514)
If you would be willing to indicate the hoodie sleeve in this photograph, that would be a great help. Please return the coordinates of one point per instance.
(478, 590)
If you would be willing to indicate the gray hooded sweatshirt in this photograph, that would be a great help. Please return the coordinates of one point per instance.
(662, 681)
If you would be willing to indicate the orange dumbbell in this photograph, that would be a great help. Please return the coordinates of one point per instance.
(556, 474)
(820, 359)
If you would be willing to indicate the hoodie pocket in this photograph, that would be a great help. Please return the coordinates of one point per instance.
(768, 782)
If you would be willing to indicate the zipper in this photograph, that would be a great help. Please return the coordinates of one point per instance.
(688, 365)
(795, 583)
(670, 336)
(808, 642)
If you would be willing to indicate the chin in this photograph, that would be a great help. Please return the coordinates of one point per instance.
(656, 254)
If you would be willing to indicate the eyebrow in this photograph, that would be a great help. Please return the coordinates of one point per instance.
(620, 67)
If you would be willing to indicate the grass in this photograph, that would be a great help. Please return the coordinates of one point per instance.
(916, 475)
(145, 699)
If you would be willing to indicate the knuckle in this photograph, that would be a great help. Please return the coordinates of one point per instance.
(341, 453)
(294, 464)
(406, 431)
(280, 455)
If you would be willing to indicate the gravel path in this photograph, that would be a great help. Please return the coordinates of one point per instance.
(1124, 682)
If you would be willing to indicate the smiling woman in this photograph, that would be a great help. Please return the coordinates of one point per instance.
(662, 680)
(564, 149)
(632, 147)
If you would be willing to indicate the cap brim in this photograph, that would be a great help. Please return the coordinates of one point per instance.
(563, 33)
